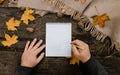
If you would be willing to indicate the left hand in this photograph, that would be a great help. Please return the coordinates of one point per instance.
(29, 56)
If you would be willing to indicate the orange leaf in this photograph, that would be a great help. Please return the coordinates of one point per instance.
(12, 24)
(28, 15)
(10, 40)
(83, 1)
(73, 60)
(100, 20)
(1, 1)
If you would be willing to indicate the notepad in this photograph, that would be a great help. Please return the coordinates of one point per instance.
(58, 39)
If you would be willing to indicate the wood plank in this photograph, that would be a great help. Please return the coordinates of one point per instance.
(52, 66)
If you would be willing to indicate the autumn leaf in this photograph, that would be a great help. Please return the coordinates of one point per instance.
(10, 40)
(28, 15)
(73, 60)
(100, 20)
(83, 1)
(1, 1)
(12, 24)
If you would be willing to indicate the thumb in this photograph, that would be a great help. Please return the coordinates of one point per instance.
(40, 57)
(74, 50)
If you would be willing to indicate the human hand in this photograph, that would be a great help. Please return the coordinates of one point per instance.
(29, 56)
(81, 50)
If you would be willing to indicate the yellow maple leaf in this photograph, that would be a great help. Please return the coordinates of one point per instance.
(73, 60)
(1, 1)
(10, 40)
(12, 24)
(100, 20)
(28, 15)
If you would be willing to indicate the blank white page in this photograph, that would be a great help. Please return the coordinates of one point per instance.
(58, 39)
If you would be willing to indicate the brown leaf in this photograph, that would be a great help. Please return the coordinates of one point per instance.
(83, 1)
(29, 29)
(1, 1)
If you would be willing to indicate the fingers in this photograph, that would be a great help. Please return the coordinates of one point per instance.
(37, 45)
(77, 42)
(75, 51)
(32, 44)
(35, 48)
(39, 49)
(27, 44)
(40, 57)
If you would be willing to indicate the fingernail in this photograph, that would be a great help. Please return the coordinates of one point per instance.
(40, 40)
(35, 38)
(43, 53)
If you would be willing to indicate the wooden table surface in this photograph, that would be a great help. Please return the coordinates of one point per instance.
(10, 56)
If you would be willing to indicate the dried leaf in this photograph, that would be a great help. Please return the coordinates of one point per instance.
(10, 40)
(1, 1)
(12, 24)
(83, 1)
(29, 29)
(100, 20)
(28, 15)
(73, 60)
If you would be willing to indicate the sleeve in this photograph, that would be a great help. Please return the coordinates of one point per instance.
(93, 67)
(24, 71)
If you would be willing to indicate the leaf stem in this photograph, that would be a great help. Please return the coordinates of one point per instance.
(97, 10)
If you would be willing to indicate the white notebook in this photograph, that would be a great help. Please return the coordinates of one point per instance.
(58, 39)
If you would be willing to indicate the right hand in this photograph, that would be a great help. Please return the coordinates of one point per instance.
(81, 50)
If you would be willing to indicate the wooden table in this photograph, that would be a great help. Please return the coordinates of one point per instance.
(10, 56)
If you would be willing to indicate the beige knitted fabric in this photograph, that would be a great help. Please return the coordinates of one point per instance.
(42, 4)
(112, 27)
